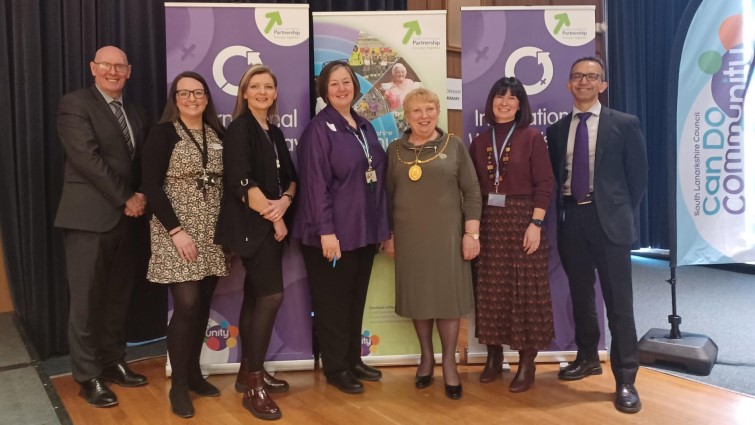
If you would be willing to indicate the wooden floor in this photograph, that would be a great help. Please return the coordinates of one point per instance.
(394, 400)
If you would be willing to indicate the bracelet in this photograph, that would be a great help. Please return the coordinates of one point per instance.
(290, 198)
(175, 232)
(537, 222)
(475, 236)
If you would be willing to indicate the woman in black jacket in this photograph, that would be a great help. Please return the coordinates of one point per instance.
(260, 184)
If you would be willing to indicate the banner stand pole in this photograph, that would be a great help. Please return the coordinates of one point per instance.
(695, 353)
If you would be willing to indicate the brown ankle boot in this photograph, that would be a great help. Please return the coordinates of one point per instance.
(257, 400)
(525, 374)
(492, 365)
(272, 385)
(240, 385)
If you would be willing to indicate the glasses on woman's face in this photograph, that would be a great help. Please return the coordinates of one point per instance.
(198, 93)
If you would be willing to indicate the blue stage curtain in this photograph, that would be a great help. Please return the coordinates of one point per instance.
(45, 52)
(640, 40)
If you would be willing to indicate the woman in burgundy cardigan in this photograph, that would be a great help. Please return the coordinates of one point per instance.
(513, 304)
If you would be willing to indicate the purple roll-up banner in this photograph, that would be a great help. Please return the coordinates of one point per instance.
(537, 45)
(219, 41)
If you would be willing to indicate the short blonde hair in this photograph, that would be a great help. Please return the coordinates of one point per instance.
(421, 95)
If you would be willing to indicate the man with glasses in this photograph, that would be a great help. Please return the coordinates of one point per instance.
(102, 137)
(600, 163)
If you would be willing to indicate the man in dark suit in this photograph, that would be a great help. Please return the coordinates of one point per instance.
(101, 137)
(600, 163)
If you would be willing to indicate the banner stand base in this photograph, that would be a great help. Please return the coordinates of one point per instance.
(693, 352)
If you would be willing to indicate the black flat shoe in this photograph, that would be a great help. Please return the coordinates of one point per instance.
(97, 394)
(203, 388)
(346, 382)
(627, 399)
(122, 375)
(579, 369)
(453, 391)
(273, 384)
(423, 381)
(366, 373)
(180, 402)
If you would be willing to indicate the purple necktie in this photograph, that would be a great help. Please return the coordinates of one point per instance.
(580, 165)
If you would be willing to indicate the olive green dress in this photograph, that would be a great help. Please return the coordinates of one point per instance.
(432, 279)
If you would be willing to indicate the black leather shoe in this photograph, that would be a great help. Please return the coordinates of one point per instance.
(180, 402)
(627, 399)
(453, 391)
(346, 382)
(579, 369)
(423, 381)
(123, 376)
(366, 373)
(97, 394)
(203, 388)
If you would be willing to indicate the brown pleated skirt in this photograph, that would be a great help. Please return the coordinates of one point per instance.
(512, 295)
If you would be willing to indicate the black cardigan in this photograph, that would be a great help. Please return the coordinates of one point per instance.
(249, 161)
(158, 149)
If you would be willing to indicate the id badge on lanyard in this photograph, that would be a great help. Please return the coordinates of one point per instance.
(497, 199)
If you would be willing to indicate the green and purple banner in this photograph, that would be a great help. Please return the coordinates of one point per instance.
(392, 53)
(220, 42)
(537, 45)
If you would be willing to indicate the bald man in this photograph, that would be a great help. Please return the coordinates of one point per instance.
(102, 136)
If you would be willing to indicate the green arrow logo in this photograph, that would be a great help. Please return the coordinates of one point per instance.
(563, 19)
(274, 19)
(412, 27)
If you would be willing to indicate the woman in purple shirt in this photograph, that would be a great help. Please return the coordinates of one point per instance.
(342, 218)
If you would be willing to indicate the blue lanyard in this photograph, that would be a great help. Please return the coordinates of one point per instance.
(497, 157)
(365, 147)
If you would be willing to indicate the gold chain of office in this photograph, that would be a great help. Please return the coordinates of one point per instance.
(415, 171)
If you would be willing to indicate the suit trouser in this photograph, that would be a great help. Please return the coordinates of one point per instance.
(583, 247)
(338, 297)
(100, 278)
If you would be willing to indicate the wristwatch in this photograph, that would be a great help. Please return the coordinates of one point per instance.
(537, 222)
(474, 236)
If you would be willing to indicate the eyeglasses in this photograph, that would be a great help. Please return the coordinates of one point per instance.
(578, 76)
(198, 93)
(119, 67)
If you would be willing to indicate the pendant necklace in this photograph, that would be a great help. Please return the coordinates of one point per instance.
(415, 171)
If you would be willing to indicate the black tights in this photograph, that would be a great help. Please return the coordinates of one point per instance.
(256, 325)
(448, 330)
(187, 327)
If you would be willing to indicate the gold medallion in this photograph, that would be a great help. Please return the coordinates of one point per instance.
(415, 172)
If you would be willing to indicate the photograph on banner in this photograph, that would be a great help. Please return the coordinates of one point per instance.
(392, 53)
(537, 45)
(220, 41)
(714, 104)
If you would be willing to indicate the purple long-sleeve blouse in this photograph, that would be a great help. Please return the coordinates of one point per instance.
(334, 196)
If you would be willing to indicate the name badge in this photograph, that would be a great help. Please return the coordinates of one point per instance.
(370, 176)
(497, 200)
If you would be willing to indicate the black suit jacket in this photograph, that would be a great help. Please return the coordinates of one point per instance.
(100, 175)
(620, 170)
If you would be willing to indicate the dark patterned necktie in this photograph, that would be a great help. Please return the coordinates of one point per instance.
(124, 127)
(580, 165)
